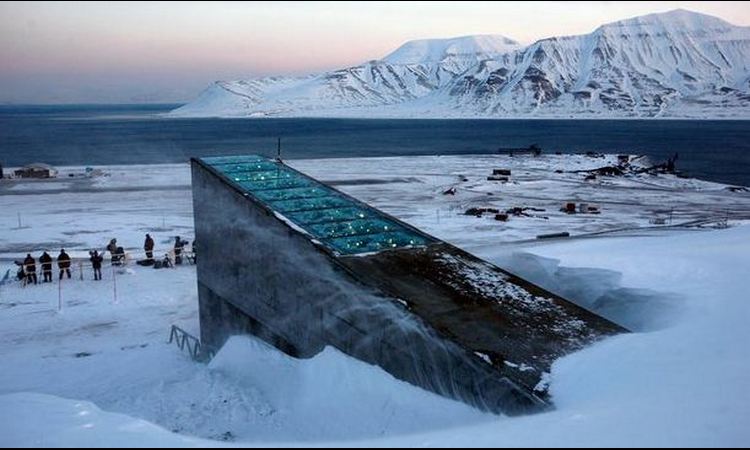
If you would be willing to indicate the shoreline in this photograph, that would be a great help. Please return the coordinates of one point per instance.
(126, 200)
(73, 168)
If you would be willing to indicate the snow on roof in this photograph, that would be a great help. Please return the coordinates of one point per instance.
(39, 166)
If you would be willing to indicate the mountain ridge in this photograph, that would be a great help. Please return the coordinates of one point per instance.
(677, 64)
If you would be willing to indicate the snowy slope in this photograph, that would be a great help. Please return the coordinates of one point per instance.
(661, 64)
(96, 372)
(477, 47)
(674, 64)
(415, 70)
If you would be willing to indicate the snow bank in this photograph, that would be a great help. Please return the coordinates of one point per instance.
(680, 386)
(46, 421)
(333, 396)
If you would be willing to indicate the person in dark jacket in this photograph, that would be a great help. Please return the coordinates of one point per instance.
(112, 249)
(63, 263)
(46, 261)
(148, 246)
(117, 252)
(179, 244)
(29, 265)
(112, 246)
(96, 263)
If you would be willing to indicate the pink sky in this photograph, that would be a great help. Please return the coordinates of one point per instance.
(54, 52)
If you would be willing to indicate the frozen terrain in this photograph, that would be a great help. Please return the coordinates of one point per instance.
(100, 371)
(677, 64)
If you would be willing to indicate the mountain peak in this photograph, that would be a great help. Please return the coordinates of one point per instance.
(675, 64)
(436, 50)
(676, 19)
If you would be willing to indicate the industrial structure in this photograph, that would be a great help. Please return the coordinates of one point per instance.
(304, 266)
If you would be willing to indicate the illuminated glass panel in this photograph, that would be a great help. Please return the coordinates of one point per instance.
(353, 228)
(240, 177)
(377, 242)
(222, 160)
(308, 204)
(339, 222)
(330, 215)
(277, 183)
(247, 167)
(294, 193)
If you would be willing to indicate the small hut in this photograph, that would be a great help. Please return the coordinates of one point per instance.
(36, 170)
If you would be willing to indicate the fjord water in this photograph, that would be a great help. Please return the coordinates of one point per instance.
(139, 134)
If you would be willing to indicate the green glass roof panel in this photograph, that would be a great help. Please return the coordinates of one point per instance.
(277, 183)
(377, 242)
(257, 166)
(260, 176)
(308, 204)
(341, 223)
(293, 193)
(319, 216)
(221, 160)
(353, 228)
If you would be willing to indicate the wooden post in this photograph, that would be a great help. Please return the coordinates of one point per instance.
(59, 295)
(80, 269)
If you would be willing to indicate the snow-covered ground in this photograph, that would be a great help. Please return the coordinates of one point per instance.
(100, 371)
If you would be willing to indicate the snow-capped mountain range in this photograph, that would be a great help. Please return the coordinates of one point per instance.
(678, 64)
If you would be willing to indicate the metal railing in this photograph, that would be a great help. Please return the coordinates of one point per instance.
(186, 341)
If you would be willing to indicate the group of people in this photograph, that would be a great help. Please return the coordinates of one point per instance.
(28, 273)
(178, 250)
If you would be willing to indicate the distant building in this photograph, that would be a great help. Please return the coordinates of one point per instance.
(36, 170)
(532, 149)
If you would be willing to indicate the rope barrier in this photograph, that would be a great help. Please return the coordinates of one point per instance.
(115, 262)
(85, 262)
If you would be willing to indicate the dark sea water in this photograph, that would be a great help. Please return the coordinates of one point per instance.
(135, 134)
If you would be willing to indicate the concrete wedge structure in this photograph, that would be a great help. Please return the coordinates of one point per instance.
(304, 266)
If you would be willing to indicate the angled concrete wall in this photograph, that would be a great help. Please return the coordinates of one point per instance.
(260, 275)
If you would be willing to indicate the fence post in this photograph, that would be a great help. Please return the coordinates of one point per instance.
(114, 281)
(80, 269)
(59, 295)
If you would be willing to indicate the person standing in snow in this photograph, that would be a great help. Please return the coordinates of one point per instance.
(117, 252)
(29, 265)
(148, 246)
(46, 261)
(179, 244)
(96, 263)
(112, 249)
(63, 263)
(112, 246)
